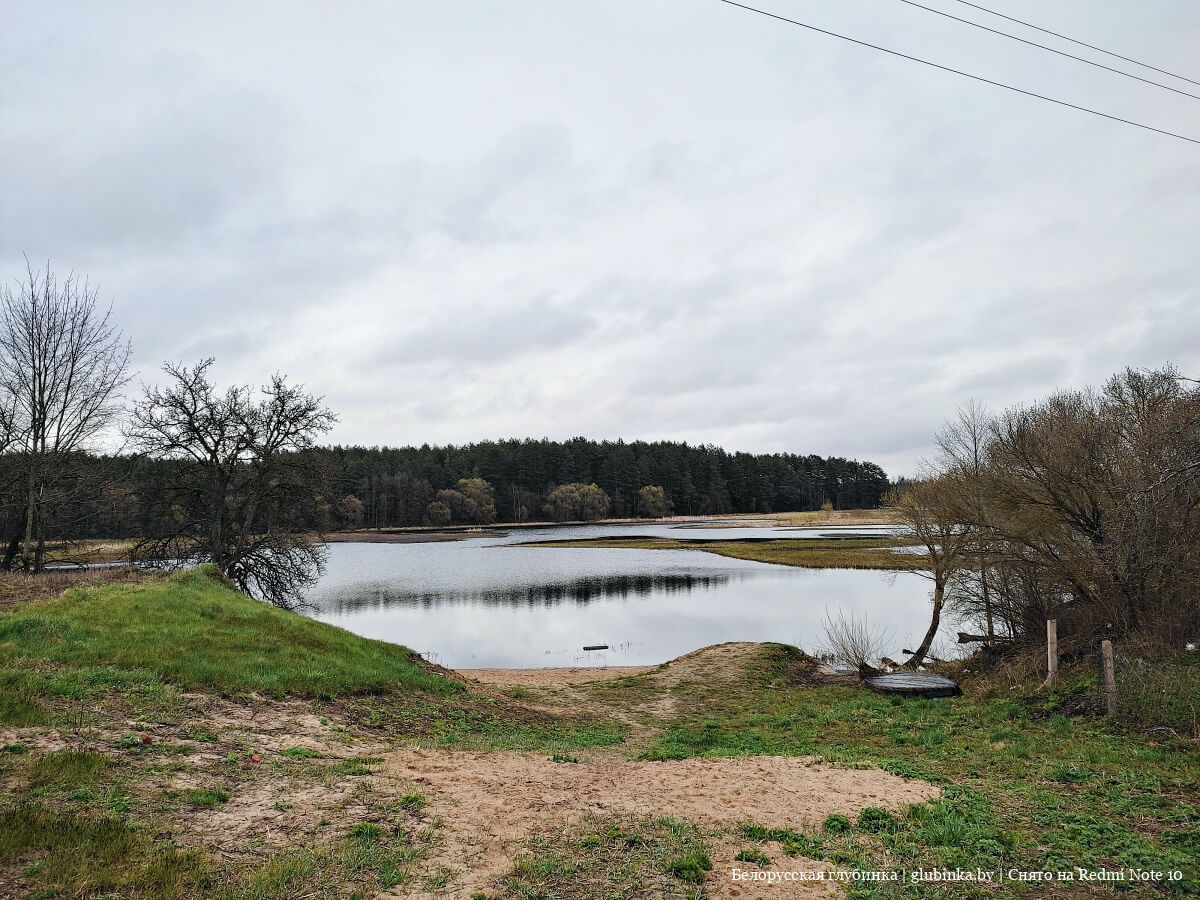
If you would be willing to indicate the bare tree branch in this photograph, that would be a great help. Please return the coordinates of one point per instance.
(63, 364)
(246, 493)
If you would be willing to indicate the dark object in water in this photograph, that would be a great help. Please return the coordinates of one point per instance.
(597, 647)
(914, 685)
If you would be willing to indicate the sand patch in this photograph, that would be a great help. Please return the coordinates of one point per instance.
(722, 886)
(272, 815)
(490, 802)
(550, 677)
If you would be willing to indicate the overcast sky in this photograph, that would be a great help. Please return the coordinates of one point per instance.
(647, 220)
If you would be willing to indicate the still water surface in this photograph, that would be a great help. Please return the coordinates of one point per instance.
(491, 602)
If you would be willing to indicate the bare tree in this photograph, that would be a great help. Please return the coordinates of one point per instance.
(963, 444)
(62, 366)
(1089, 492)
(245, 495)
(932, 512)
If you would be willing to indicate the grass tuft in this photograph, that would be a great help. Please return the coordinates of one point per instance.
(66, 769)
(205, 798)
(691, 866)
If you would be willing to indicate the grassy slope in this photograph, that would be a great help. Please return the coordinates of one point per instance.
(103, 659)
(194, 633)
(807, 553)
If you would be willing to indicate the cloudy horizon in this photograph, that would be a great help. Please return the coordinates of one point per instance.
(649, 221)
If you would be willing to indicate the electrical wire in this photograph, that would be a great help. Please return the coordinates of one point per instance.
(1090, 62)
(1073, 41)
(1000, 84)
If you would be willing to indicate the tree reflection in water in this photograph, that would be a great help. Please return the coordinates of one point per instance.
(580, 591)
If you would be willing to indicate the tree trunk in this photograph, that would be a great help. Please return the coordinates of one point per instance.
(30, 507)
(987, 600)
(11, 553)
(918, 657)
(39, 552)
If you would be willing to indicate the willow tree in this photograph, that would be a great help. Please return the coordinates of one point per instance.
(244, 493)
(62, 366)
(1093, 493)
(932, 512)
(963, 442)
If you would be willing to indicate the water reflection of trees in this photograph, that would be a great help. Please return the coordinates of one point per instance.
(584, 590)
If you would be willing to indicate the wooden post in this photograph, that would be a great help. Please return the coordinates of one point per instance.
(1110, 678)
(1051, 650)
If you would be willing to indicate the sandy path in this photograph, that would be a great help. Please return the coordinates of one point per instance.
(491, 802)
(551, 677)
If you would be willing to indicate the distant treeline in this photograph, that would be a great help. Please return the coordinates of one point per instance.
(396, 485)
(493, 481)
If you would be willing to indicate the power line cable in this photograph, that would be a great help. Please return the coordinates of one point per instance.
(1090, 62)
(925, 62)
(1073, 41)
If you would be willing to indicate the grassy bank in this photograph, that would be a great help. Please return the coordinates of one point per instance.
(806, 553)
(1030, 779)
(128, 708)
(145, 723)
(197, 634)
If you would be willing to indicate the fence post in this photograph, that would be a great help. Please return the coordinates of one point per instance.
(1110, 679)
(1051, 650)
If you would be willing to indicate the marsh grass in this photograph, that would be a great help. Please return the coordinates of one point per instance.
(807, 553)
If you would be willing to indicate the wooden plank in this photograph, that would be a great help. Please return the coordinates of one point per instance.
(1110, 678)
(1051, 650)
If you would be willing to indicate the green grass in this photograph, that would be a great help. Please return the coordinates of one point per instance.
(413, 802)
(808, 553)
(379, 856)
(485, 723)
(1023, 785)
(17, 704)
(1165, 693)
(193, 632)
(358, 765)
(205, 798)
(299, 752)
(97, 855)
(71, 855)
(625, 857)
(67, 769)
(753, 855)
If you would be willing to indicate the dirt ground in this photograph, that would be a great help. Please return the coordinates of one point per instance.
(492, 802)
(296, 778)
(550, 677)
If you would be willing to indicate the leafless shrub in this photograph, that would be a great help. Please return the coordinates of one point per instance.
(852, 640)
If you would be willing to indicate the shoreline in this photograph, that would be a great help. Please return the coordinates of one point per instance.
(416, 534)
(551, 675)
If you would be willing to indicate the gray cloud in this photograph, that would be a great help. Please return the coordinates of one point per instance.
(640, 221)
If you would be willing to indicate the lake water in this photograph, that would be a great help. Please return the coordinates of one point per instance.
(491, 602)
